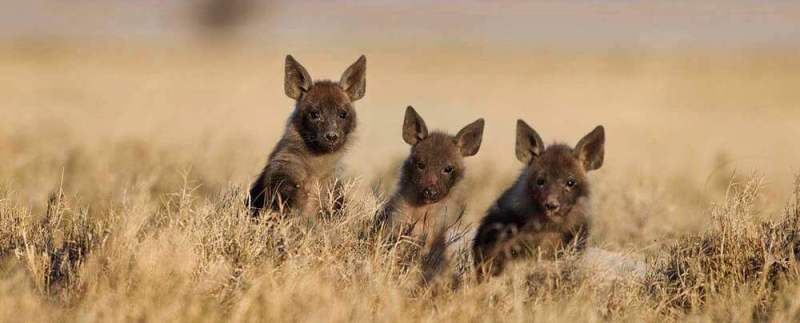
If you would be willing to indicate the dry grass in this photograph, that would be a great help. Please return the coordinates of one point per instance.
(122, 173)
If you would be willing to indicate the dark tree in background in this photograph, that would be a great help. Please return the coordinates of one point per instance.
(224, 17)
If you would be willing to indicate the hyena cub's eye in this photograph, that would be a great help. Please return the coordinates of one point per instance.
(571, 183)
(420, 165)
(448, 169)
(314, 115)
(540, 181)
(343, 115)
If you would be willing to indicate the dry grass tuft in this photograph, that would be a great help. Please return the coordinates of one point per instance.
(740, 253)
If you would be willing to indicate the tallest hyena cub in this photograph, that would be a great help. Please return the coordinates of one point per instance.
(302, 167)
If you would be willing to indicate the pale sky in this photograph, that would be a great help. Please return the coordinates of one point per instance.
(732, 23)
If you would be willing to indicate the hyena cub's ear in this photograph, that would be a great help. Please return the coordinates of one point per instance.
(591, 149)
(414, 128)
(529, 144)
(296, 80)
(469, 139)
(354, 79)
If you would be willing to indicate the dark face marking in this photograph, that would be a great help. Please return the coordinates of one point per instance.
(436, 163)
(324, 114)
(556, 176)
(434, 167)
(556, 180)
(325, 117)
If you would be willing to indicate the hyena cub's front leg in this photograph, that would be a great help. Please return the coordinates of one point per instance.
(277, 189)
(491, 248)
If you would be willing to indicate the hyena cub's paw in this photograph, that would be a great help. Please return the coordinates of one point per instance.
(285, 192)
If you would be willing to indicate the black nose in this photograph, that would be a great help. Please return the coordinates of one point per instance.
(551, 206)
(431, 193)
(332, 137)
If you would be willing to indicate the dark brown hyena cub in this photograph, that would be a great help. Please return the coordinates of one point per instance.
(301, 171)
(547, 208)
(422, 207)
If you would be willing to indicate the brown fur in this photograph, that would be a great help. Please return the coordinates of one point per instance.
(423, 207)
(302, 168)
(547, 208)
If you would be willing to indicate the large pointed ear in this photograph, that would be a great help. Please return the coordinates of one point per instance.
(591, 149)
(296, 80)
(414, 128)
(529, 144)
(354, 79)
(469, 139)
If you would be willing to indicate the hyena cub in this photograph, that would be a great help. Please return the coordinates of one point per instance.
(302, 167)
(547, 208)
(422, 206)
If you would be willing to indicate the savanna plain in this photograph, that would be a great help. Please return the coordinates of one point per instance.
(123, 169)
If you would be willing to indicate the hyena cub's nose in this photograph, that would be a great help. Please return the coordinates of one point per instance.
(332, 137)
(551, 206)
(431, 193)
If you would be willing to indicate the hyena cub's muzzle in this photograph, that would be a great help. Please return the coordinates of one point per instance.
(552, 205)
(431, 194)
(331, 137)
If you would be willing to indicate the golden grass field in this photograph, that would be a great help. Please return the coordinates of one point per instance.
(123, 168)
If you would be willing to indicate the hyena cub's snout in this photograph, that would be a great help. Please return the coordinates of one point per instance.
(435, 187)
(437, 181)
(332, 137)
(554, 200)
(331, 123)
(431, 193)
(436, 163)
(551, 204)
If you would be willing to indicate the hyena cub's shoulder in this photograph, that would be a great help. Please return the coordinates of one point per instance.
(303, 163)
(547, 208)
(422, 207)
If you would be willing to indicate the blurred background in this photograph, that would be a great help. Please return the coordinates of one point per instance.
(100, 95)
